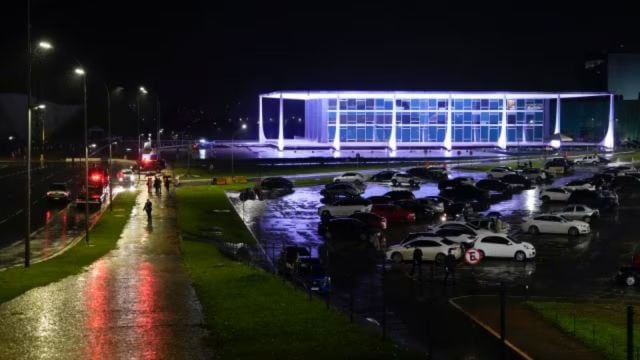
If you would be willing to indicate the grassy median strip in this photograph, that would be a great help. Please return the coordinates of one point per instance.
(600, 326)
(253, 314)
(104, 236)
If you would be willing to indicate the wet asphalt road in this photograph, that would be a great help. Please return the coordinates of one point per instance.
(564, 267)
(135, 303)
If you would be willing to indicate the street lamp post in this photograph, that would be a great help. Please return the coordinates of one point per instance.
(143, 91)
(243, 127)
(80, 72)
(106, 87)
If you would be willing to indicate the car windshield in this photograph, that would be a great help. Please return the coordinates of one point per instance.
(58, 187)
(473, 226)
(563, 218)
(447, 242)
(514, 240)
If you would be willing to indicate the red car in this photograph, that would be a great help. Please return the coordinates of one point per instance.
(371, 220)
(393, 213)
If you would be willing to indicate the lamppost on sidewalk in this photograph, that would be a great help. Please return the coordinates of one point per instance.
(80, 72)
(142, 92)
(110, 171)
(243, 127)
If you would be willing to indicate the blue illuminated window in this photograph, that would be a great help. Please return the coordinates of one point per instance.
(332, 104)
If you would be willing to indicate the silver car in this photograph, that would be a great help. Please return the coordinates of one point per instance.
(579, 212)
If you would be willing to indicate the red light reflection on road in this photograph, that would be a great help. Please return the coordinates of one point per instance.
(98, 312)
(151, 332)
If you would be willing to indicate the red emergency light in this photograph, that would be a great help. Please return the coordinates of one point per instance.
(95, 177)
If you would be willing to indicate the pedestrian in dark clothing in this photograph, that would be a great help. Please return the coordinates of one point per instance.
(167, 183)
(450, 267)
(157, 183)
(417, 261)
(530, 165)
(148, 208)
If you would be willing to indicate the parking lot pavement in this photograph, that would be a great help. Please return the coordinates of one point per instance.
(564, 266)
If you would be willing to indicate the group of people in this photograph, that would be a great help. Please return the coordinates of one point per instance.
(450, 263)
(156, 183)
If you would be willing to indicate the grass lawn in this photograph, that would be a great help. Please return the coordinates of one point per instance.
(252, 314)
(600, 326)
(103, 236)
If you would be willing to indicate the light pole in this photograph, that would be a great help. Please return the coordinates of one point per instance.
(243, 127)
(143, 92)
(80, 72)
(106, 87)
(41, 108)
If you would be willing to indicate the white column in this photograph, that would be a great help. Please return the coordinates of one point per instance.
(609, 139)
(447, 134)
(393, 142)
(502, 138)
(281, 125)
(557, 128)
(336, 136)
(261, 137)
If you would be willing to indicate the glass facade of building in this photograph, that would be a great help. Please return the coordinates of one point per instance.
(425, 120)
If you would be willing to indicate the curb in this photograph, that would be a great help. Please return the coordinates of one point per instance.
(516, 349)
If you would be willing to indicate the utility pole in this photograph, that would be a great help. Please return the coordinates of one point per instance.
(86, 161)
(106, 87)
(27, 242)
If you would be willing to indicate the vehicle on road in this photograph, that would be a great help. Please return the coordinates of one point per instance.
(554, 224)
(554, 194)
(592, 160)
(58, 192)
(404, 179)
(433, 249)
(579, 212)
(433, 173)
(97, 195)
(583, 184)
(393, 213)
(126, 177)
(499, 172)
(504, 246)
(602, 199)
(349, 177)
(344, 207)
(341, 189)
(383, 176)
(400, 195)
(278, 184)
(537, 175)
(310, 273)
(288, 257)
(372, 220)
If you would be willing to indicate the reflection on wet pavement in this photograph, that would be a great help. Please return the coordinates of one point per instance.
(134, 303)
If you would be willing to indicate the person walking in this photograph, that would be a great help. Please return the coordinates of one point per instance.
(149, 185)
(157, 184)
(450, 267)
(416, 262)
(167, 183)
(148, 207)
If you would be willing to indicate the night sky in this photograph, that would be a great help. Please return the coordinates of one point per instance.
(218, 55)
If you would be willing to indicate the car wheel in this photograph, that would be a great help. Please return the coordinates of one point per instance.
(520, 256)
(534, 230)
(440, 259)
(545, 198)
(573, 231)
(396, 258)
(630, 280)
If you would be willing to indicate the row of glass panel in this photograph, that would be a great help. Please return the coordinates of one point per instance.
(436, 104)
(420, 134)
(424, 118)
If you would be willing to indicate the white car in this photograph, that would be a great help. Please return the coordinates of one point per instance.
(499, 172)
(555, 194)
(579, 212)
(580, 185)
(404, 179)
(58, 192)
(591, 160)
(344, 207)
(554, 224)
(504, 246)
(461, 225)
(349, 177)
(433, 249)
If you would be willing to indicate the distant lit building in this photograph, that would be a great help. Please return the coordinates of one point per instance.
(427, 119)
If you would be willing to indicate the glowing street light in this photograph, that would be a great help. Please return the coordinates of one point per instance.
(242, 127)
(79, 71)
(45, 45)
(143, 90)
(41, 107)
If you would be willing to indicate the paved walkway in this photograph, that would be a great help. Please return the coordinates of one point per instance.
(134, 303)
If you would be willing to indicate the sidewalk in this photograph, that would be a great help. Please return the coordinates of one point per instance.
(527, 331)
(135, 302)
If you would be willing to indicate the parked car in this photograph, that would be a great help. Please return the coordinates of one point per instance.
(519, 182)
(591, 160)
(599, 180)
(344, 207)
(504, 246)
(383, 176)
(58, 192)
(311, 274)
(400, 195)
(580, 185)
(601, 200)
(404, 179)
(433, 249)
(341, 189)
(559, 165)
(554, 224)
(422, 211)
(98, 195)
(437, 203)
(466, 193)
(372, 220)
(494, 185)
(349, 177)
(348, 231)
(378, 199)
(462, 225)
(499, 172)
(278, 184)
(462, 180)
(488, 223)
(537, 175)
(393, 213)
(434, 173)
(288, 257)
(579, 212)
(460, 236)
(457, 208)
(554, 194)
